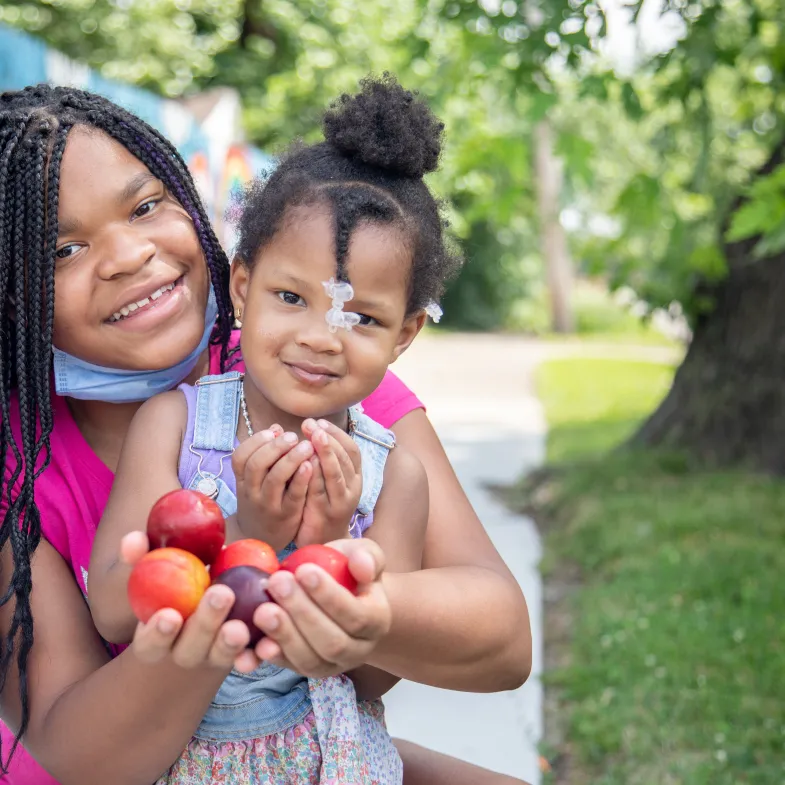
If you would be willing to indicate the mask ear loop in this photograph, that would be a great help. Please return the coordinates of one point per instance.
(339, 292)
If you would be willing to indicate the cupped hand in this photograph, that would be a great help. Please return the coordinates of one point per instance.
(205, 639)
(335, 485)
(318, 628)
(273, 472)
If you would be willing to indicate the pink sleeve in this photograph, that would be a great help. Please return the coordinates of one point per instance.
(390, 401)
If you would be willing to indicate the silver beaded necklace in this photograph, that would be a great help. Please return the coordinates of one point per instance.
(244, 408)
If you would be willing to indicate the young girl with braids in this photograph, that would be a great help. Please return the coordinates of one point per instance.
(340, 255)
(97, 214)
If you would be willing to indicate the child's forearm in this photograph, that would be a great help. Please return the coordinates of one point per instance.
(138, 718)
(459, 628)
(371, 683)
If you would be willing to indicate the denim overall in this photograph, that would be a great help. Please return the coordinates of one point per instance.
(270, 699)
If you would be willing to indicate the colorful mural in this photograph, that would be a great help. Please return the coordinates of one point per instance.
(219, 174)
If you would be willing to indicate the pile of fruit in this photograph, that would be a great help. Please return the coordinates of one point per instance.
(187, 536)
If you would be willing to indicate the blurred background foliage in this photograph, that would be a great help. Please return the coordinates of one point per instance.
(657, 143)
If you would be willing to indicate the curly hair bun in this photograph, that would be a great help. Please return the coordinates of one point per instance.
(385, 126)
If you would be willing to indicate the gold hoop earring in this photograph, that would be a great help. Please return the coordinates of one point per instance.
(238, 319)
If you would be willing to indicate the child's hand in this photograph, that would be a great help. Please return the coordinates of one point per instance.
(318, 628)
(273, 472)
(335, 484)
(203, 640)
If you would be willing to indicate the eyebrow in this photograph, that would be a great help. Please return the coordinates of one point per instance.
(68, 226)
(134, 185)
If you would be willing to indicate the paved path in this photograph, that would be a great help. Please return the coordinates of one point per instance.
(479, 395)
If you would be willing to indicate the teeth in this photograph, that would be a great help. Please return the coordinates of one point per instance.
(131, 307)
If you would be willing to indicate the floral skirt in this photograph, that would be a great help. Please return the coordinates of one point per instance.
(340, 742)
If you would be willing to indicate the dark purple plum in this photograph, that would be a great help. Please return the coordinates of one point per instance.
(249, 585)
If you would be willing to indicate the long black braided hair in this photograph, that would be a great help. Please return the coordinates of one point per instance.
(379, 144)
(34, 127)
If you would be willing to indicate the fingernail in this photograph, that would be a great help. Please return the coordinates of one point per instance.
(321, 437)
(290, 438)
(266, 436)
(284, 588)
(165, 626)
(272, 623)
(304, 447)
(311, 579)
(324, 424)
(218, 601)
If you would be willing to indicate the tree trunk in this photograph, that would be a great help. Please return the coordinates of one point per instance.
(553, 241)
(727, 402)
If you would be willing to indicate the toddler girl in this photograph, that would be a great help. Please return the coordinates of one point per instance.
(340, 257)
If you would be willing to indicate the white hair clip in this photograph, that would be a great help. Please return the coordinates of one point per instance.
(339, 292)
(433, 309)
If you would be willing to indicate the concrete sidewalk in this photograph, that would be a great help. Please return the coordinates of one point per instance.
(478, 390)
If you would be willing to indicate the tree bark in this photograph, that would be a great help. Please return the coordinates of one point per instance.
(550, 176)
(727, 402)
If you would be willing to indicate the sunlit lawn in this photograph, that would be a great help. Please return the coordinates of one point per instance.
(677, 645)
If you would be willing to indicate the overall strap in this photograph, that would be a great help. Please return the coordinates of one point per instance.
(217, 410)
(375, 443)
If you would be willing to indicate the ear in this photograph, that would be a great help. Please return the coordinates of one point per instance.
(409, 331)
(239, 279)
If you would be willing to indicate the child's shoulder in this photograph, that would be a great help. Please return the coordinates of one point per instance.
(159, 416)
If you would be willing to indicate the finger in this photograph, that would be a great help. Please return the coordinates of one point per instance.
(276, 429)
(268, 650)
(199, 632)
(246, 661)
(334, 480)
(264, 458)
(328, 640)
(294, 499)
(347, 466)
(133, 546)
(316, 484)
(153, 641)
(282, 471)
(345, 440)
(366, 559)
(248, 447)
(364, 617)
(278, 625)
(229, 644)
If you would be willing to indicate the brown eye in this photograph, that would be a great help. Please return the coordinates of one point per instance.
(66, 251)
(290, 298)
(145, 208)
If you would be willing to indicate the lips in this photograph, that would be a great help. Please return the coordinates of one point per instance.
(313, 374)
(146, 300)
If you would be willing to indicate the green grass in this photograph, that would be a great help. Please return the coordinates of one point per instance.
(677, 639)
(593, 405)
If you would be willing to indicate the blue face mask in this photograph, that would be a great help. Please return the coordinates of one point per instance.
(88, 382)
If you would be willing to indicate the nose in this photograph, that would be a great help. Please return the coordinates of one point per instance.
(125, 251)
(314, 334)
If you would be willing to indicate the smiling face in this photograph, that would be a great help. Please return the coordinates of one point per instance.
(295, 364)
(131, 282)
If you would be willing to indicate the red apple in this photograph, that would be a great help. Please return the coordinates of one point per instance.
(249, 553)
(249, 585)
(188, 520)
(333, 562)
(167, 578)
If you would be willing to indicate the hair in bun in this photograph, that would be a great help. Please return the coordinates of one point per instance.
(378, 145)
(385, 126)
